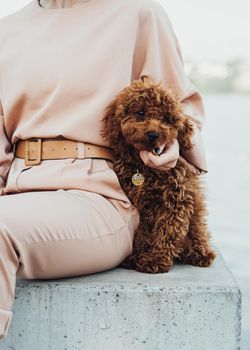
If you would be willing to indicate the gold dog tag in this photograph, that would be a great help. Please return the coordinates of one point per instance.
(137, 179)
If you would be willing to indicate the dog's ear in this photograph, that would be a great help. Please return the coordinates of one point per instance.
(111, 129)
(185, 132)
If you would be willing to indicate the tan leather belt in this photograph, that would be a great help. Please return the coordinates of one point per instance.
(35, 150)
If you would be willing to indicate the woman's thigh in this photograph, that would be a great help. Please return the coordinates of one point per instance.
(64, 233)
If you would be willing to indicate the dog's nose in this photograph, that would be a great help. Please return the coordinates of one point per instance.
(152, 135)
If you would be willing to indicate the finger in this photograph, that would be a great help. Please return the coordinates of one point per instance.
(173, 150)
(164, 167)
(168, 166)
(172, 164)
(168, 155)
(190, 166)
(149, 158)
(165, 157)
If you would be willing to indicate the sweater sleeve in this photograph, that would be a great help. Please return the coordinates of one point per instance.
(158, 55)
(6, 153)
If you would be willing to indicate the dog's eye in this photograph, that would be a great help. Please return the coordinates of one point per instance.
(140, 114)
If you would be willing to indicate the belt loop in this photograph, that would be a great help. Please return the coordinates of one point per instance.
(80, 150)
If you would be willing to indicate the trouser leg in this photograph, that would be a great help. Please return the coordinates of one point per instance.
(9, 263)
(54, 234)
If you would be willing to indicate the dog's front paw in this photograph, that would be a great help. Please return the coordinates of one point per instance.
(146, 264)
(207, 259)
(153, 264)
(151, 268)
(202, 259)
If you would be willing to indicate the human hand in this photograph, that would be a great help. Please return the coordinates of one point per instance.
(166, 160)
(193, 169)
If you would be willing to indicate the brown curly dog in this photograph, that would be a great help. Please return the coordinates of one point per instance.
(171, 204)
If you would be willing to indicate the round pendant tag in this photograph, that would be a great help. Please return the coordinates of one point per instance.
(137, 179)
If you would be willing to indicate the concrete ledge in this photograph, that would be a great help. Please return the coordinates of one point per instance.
(188, 308)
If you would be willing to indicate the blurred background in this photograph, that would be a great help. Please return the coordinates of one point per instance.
(215, 40)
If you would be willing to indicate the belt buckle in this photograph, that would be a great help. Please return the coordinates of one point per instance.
(38, 152)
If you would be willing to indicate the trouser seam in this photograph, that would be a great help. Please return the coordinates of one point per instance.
(76, 238)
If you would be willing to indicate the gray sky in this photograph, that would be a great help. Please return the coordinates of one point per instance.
(211, 30)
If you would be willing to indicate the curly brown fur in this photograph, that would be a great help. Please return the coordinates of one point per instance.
(171, 204)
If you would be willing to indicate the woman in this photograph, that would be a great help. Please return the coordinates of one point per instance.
(62, 211)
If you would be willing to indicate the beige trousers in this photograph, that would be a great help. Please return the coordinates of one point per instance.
(60, 233)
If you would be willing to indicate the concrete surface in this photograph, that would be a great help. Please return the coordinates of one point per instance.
(188, 308)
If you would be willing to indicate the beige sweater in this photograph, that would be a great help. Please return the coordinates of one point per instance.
(60, 67)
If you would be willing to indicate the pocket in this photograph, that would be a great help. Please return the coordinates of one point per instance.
(18, 188)
(134, 216)
(14, 173)
(98, 164)
(110, 164)
(105, 168)
(45, 176)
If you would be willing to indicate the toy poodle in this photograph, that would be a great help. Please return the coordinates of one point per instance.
(144, 116)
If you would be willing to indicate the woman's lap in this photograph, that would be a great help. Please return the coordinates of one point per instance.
(65, 232)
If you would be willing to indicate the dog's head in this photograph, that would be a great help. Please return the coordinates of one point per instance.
(145, 116)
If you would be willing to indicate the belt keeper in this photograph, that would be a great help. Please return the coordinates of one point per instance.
(80, 150)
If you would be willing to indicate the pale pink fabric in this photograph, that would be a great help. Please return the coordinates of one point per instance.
(52, 234)
(60, 67)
